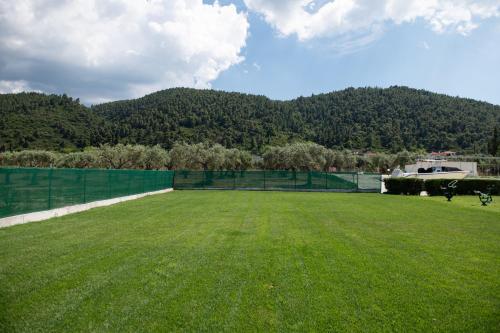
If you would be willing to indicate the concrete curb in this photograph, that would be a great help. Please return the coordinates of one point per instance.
(48, 214)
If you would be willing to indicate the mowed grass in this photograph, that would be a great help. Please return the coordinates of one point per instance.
(234, 261)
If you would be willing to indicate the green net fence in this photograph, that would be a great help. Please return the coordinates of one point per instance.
(25, 190)
(278, 180)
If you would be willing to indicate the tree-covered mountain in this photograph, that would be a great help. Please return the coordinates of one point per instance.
(37, 121)
(363, 118)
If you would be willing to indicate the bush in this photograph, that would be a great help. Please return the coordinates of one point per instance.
(413, 186)
(410, 186)
(464, 186)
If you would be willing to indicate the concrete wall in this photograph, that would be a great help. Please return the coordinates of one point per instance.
(383, 189)
(48, 214)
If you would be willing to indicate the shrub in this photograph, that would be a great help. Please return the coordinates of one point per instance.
(413, 186)
(464, 186)
(410, 186)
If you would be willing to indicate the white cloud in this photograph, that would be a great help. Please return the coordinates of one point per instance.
(107, 49)
(425, 45)
(308, 19)
(256, 66)
(15, 86)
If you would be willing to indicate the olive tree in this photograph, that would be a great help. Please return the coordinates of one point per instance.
(186, 156)
(121, 156)
(297, 156)
(86, 159)
(29, 158)
(202, 156)
(155, 158)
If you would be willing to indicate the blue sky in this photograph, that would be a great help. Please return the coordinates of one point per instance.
(103, 50)
(409, 54)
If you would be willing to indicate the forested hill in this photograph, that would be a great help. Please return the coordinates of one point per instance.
(32, 120)
(363, 118)
(369, 118)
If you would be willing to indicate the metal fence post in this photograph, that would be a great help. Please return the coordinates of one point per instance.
(128, 184)
(326, 180)
(155, 186)
(50, 188)
(8, 202)
(84, 186)
(264, 180)
(109, 183)
(143, 181)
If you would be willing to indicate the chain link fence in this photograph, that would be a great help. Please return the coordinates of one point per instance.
(278, 180)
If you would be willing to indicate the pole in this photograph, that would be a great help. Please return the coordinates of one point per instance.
(128, 182)
(7, 196)
(264, 180)
(109, 183)
(143, 180)
(84, 186)
(50, 188)
(357, 182)
(381, 181)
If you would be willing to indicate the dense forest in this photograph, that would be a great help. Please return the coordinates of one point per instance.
(32, 120)
(375, 119)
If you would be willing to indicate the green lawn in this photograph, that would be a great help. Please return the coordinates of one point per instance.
(257, 261)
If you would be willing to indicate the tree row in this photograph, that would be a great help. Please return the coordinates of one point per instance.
(204, 156)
